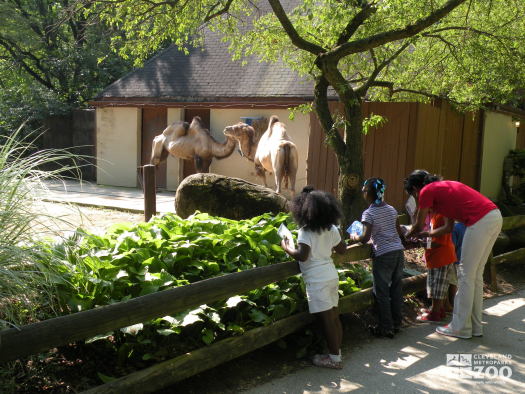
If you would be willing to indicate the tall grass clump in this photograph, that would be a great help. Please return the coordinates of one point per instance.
(24, 289)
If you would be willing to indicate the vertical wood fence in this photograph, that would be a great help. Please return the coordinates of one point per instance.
(430, 136)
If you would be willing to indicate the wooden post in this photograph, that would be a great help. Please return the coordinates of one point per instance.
(489, 272)
(150, 191)
(493, 273)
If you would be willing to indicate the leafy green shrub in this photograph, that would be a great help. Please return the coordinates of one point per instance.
(132, 260)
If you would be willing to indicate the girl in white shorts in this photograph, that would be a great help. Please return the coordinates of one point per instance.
(317, 213)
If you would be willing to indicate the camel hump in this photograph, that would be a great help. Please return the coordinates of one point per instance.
(273, 119)
(176, 129)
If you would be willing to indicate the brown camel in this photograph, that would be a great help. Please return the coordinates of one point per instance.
(190, 142)
(273, 152)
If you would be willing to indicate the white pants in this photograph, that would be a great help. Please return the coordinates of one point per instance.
(477, 244)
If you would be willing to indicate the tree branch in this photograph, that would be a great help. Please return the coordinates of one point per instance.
(217, 13)
(297, 40)
(393, 35)
(15, 56)
(325, 117)
(358, 19)
(361, 92)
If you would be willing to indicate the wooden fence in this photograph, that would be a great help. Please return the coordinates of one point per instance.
(41, 336)
(38, 337)
(509, 223)
(416, 135)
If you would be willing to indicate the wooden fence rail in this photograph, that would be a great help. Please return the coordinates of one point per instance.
(38, 337)
(172, 371)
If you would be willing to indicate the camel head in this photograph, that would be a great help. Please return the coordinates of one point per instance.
(244, 134)
(238, 131)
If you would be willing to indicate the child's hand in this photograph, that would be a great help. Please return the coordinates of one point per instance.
(285, 244)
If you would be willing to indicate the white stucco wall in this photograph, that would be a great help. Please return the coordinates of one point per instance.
(240, 167)
(499, 137)
(174, 165)
(118, 145)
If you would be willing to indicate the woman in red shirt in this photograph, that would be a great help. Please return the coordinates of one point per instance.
(482, 217)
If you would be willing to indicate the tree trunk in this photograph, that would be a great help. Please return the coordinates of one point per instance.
(351, 165)
(349, 148)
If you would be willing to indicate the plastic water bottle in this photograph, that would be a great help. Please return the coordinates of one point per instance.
(356, 228)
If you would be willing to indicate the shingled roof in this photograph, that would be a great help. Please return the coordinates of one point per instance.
(207, 75)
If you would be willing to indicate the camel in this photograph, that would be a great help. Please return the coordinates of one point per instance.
(190, 142)
(273, 152)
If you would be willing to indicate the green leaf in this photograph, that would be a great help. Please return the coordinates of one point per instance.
(258, 316)
(105, 378)
(99, 337)
(233, 301)
(208, 336)
(133, 329)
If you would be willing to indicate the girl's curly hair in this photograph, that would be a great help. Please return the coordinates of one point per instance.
(316, 210)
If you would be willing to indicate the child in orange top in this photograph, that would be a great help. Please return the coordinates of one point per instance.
(438, 258)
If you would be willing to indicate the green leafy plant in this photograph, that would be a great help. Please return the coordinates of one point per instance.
(25, 292)
(128, 261)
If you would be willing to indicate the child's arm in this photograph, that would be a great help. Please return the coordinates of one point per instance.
(419, 224)
(399, 231)
(365, 237)
(299, 254)
(341, 247)
(447, 227)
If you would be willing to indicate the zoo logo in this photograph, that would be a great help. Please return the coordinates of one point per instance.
(481, 366)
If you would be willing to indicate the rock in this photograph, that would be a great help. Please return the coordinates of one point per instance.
(232, 198)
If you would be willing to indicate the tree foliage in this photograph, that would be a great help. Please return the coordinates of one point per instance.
(51, 59)
(467, 51)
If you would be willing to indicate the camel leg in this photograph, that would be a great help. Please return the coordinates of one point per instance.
(278, 180)
(158, 150)
(202, 164)
(291, 179)
(259, 170)
(206, 163)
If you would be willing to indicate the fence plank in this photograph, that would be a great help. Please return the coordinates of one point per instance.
(172, 371)
(38, 337)
(512, 222)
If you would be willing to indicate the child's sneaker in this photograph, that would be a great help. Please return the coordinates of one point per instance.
(430, 317)
(324, 361)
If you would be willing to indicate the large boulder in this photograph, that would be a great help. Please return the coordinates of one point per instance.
(232, 198)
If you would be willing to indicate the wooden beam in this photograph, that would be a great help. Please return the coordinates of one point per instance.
(38, 337)
(515, 255)
(512, 222)
(172, 371)
(353, 253)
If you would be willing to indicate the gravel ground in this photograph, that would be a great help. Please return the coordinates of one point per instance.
(63, 218)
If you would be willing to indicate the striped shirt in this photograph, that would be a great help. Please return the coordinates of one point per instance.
(384, 235)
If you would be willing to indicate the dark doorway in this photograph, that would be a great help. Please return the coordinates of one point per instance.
(154, 121)
(188, 167)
